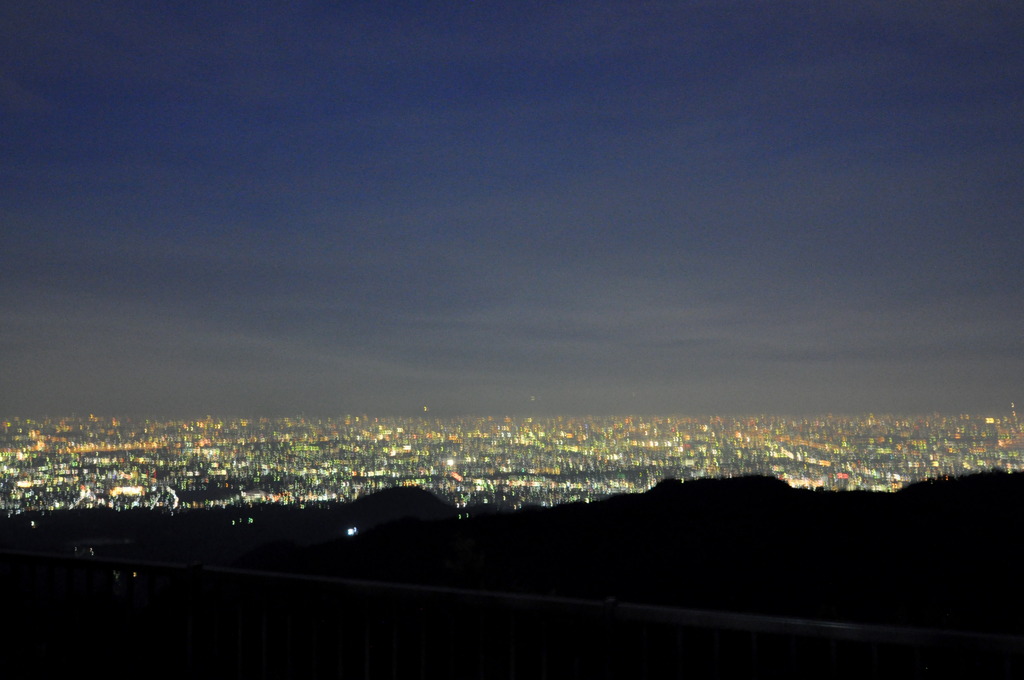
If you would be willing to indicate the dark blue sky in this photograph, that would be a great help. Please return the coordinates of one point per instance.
(511, 207)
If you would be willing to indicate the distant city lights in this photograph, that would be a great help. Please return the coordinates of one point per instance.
(64, 463)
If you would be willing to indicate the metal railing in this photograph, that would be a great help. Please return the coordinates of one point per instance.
(65, 614)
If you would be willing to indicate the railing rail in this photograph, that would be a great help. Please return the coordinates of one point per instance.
(218, 622)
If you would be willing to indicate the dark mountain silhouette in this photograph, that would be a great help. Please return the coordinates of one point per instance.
(940, 554)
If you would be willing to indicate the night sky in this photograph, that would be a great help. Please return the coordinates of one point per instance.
(492, 208)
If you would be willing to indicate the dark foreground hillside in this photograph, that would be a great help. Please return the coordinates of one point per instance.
(938, 554)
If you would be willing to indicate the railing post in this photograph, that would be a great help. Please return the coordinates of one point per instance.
(481, 657)
(512, 645)
(366, 644)
(716, 652)
(193, 584)
(645, 652)
(241, 641)
(610, 614)
(754, 661)
(420, 618)
(680, 657)
(264, 637)
(339, 636)
(395, 644)
(544, 649)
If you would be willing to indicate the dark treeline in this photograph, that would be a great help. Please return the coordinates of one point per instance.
(940, 554)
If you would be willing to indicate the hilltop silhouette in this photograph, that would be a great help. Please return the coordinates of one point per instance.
(940, 554)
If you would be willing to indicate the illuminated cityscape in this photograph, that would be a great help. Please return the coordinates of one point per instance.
(502, 462)
(305, 306)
